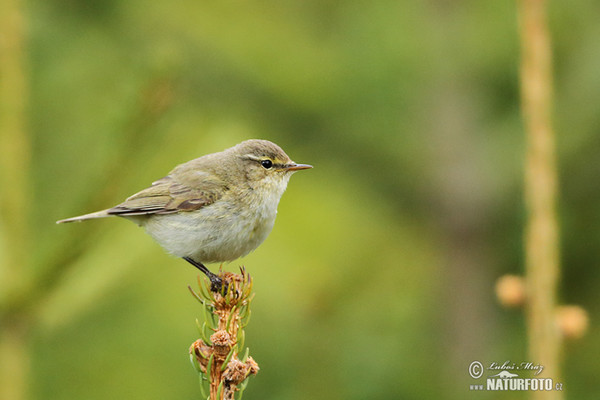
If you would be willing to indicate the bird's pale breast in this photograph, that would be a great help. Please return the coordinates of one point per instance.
(226, 230)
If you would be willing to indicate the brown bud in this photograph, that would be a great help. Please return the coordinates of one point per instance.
(573, 321)
(236, 372)
(221, 343)
(252, 366)
(202, 351)
(510, 290)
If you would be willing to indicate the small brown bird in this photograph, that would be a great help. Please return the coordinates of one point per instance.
(216, 208)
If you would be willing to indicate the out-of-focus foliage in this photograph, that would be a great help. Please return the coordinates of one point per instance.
(378, 279)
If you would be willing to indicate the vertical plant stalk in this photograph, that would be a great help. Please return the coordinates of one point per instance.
(542, 231)
(14, 201)
(216, 357)
(14, 359)
(14, 146)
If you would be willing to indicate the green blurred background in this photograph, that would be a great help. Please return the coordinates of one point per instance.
(377, 281)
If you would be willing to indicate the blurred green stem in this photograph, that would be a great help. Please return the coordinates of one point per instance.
(14, 360)
(541, 236)
(14, 146)
(14, 202)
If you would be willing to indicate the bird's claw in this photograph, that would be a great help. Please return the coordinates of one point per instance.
(216, 284)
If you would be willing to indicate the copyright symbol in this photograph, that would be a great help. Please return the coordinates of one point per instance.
(476, 369)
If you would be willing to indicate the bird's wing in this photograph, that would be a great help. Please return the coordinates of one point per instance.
(170, 195)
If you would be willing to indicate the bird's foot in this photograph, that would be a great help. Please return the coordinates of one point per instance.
(216, 283)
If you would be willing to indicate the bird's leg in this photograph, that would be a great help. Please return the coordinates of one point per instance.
(216, 283)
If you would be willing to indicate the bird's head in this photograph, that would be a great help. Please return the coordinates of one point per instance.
(265, 165)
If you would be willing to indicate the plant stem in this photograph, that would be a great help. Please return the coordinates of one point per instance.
(15, 153)
(217, 358)
(14, 360)
(14, 148)
(542, 232)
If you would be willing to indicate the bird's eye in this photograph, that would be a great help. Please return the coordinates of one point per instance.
(267, 164)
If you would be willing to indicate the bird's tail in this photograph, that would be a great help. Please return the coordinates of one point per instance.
(98, 214)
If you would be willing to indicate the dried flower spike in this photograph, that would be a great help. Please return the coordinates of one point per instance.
(226, 313)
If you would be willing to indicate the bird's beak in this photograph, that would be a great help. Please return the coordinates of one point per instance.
(297, 167)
